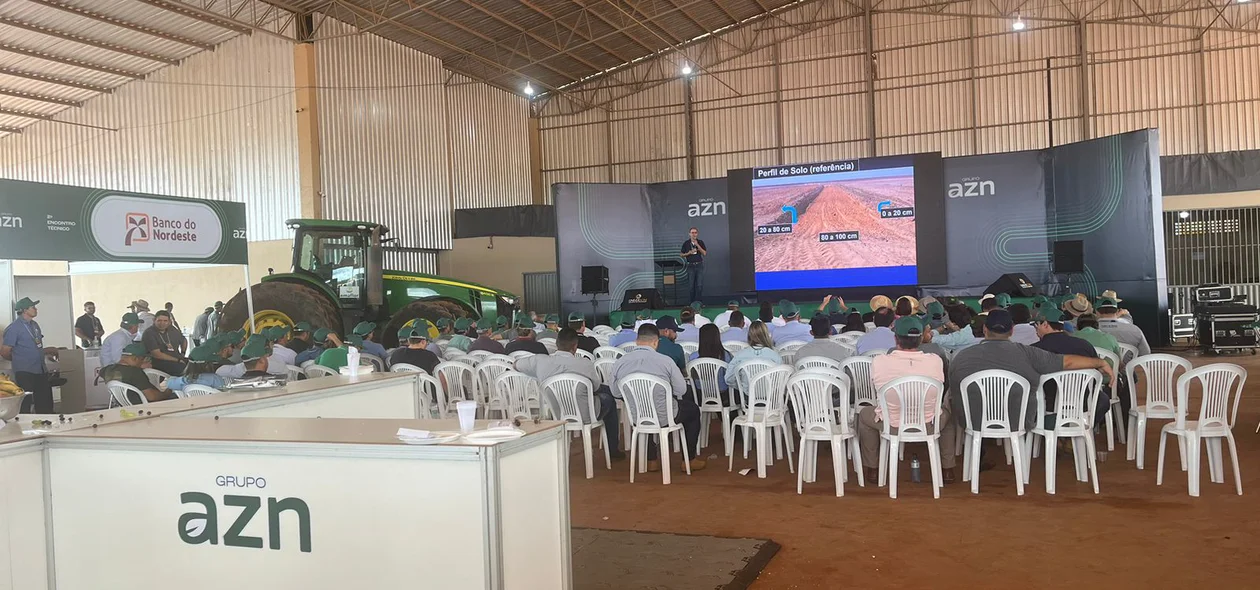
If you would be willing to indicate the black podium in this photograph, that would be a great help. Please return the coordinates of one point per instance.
(668, 283)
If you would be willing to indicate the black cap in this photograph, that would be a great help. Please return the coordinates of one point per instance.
(668, 323)
(999, 321)
(820, 324)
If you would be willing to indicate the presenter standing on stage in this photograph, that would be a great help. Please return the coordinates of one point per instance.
(693, 251)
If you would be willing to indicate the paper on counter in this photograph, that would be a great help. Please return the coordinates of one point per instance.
(413, 433)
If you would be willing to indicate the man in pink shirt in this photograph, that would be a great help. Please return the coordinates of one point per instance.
(907, 360)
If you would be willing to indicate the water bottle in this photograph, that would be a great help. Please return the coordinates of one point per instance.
(916, 475)
(352, 359)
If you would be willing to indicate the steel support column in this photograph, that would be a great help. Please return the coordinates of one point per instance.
(306, 99)
(868, 33)
(689, 127)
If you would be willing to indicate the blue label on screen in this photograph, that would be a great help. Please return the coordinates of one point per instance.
(835, 278)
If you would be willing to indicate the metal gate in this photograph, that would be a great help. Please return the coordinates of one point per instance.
(542, 292)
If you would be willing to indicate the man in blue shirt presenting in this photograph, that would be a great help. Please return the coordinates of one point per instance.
(693, 251)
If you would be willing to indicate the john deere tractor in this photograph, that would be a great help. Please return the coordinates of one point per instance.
(338, 281)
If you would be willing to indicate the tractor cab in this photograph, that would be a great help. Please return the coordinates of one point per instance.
(346, 257)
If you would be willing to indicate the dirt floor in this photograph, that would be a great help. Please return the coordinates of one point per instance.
(1132, 535)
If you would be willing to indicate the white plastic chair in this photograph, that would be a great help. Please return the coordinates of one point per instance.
(582, 354)
(306, 364)
(605, 367)
(858, 369)
(478, 355)
(605, 330)
(496, 357)
(293, 373)
(118, 392)
(876, 352)
(1074, 403)
(734, 346)
(627, 347)
(193, 390)
(689, 348)
(638, 390)
(156, 377)
(811, 396)
(1128, 352)
(549, 343)
(463, 359)
(764, 414)
(850, 338)
(487, 371)
(849, 348)
(788, 351)
(912, 404)
(459, 383)
(512, 390)
(372, 360)
(1220, 383)
(608, 352)
(520, 354)
(996, 389)
(1159, 381)
(602, 339)
(708, 391)
(405, 368)
(317, 371)
(561, 393)
(431, 394)
(1114, 420)
(818, 362)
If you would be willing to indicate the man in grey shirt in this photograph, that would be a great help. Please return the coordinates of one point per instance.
(544, 366)
(822, 345)
(997, 351)
(1125, 332)
(643, 358)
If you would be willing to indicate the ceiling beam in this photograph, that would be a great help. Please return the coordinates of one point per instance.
(574, 28)
(39, 98)
(15, 130)
(34, 28)
(554, 46)
(204, 16)
(70, 62)
(25, 114)
(624, 31)
(96, 16)
(487, 39)
(673, 39)
(53, 80)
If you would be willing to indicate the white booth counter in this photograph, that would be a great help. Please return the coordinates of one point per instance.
(370, 395)
(24, 543)
(210, 503)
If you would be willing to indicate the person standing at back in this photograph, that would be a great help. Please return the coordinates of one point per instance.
(215, 316)
(88, 327)
(170, 312)
(201, 327)
(141, 308)
(24, 348)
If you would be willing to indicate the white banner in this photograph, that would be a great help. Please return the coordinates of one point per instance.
(134, 227)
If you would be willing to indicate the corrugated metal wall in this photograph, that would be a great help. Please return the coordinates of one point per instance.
(404, 141)
(944, 83)
(220, 126)
(409, 260)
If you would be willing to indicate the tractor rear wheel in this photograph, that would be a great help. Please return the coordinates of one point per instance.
(279, 303)
(429, 309)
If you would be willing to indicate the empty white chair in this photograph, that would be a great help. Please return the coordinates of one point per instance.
(373, 361)
(1075, 398)
(431, 395)
(811, 395)
(405, 368)
(818, 362)
(487, 371)
(764, 414)
(910, 394)
(995, 388)
(858, 368)
(459, 383)
(293, 373)
(734, 346)
(156, 377)
(582, 354)
(549, 343)
(1114, 420)
(1221, 382)
(1159, 383)
(193, 390)
(637, 389)
(562, 393)
(704, 374)
(317, 371)
(608, 352)
(513, 391)
(689, 347)
(125, 395)
(520, 354)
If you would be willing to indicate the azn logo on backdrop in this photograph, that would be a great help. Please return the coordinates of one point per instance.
(197, 527)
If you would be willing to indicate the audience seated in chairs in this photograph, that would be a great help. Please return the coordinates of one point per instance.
(668, 330)
(760, 347)
(644, 358)
(525, 339)
(881, 338)
(737, 330)
(544, 366)
(627, 333)
(792, 329)
(414, 350)
(485, 338)
(203, 361)
(130, 370)
(821, 345)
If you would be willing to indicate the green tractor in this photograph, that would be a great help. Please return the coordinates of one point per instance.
(338, 281)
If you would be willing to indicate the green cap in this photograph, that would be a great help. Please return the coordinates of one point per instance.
(1049, 314)
(232, 338)
(485, 323)
(732, 303)
(419, 330)
(302, 327)
(364, 328)
(1040, 300)
(553, 319)
(130, 319)
(218, 304)
(908, 326)
(627, 320)
(1106, 302)
(523, 321)
(696, 305)
(209, 309)
(207, 352)
(24, 303)
(577, 317)
(275, 333)
(355, 340)
(1002, 300)
(500, 322)
(322, 334)
(462, 324)
(788, 309)
(255, 348)
(135, 349)
(936, 310)
(443, 323)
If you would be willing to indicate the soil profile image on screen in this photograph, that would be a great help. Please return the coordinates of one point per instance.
(834, 229)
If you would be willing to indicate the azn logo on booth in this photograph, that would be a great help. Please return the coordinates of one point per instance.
(196, 527)
(137, 228)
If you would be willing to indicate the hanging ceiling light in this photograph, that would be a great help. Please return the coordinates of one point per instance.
(686, 69)
(1186, 214)
(1019, 24)
(529, 90)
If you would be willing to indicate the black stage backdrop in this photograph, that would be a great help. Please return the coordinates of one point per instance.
(1003, 214)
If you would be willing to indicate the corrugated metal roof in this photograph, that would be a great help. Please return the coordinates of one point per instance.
(55, 54)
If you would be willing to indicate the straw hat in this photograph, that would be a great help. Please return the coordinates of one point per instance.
(1078, 305)
(879, 301)
(914, 303)
(1111, 294)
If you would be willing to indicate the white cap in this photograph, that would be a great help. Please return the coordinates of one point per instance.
(988, 296)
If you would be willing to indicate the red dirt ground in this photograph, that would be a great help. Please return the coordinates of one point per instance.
(1133, 535)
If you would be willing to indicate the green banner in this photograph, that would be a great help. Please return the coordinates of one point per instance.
(56, 222)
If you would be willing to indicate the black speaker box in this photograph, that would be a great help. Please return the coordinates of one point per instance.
(1014, 284)
(636, 299)
(1069, 257)
(594, 280)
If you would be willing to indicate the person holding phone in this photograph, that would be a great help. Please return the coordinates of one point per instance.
(694, 251)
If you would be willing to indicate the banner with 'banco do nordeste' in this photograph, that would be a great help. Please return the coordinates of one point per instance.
(41, 221)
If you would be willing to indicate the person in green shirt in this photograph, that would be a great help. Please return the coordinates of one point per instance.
(335, 356)
(1087, 329)
(669, 329)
